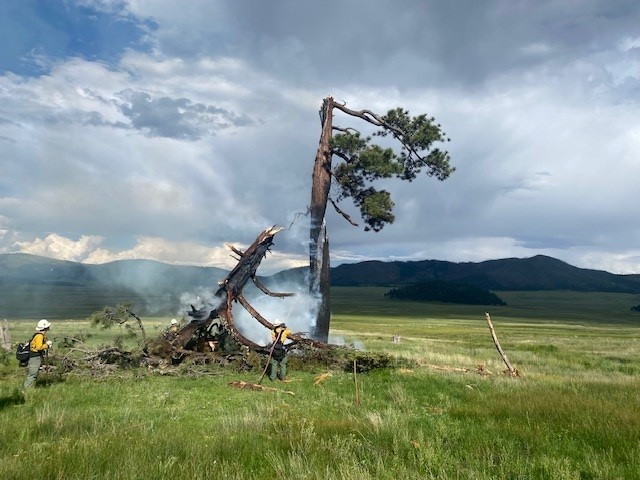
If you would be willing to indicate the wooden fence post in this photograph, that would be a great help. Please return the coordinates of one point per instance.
(5, 337)
(512, 371)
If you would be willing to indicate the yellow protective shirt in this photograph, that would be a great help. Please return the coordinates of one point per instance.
(285, 334)
(39, 343)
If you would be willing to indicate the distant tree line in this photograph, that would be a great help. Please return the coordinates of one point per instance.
(447, 292)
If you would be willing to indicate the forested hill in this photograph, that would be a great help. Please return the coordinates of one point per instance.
(535, 273)
(25, 269)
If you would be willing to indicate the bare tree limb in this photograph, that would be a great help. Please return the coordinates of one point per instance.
(345, 129)
(266, 291)
(227, 318)
(297, 338)
(344, 157)
(141, 327)
(341, 212)
(369, 116)
(235, 250)
(253, 312)
(378, 121)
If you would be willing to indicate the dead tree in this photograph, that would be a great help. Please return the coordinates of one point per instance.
(230, 292)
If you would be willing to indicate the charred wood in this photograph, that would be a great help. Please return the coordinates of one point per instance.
(230, 292)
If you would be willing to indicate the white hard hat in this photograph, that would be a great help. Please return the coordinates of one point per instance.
(42, 324)
(174, 321)
(277, 323)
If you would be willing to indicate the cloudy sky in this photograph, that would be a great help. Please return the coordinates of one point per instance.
(163, 130)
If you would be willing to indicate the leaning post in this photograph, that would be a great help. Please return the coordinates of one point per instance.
(512, 371)
(5, 339)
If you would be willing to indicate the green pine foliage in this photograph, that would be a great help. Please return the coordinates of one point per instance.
(447, 292)
(366, 162)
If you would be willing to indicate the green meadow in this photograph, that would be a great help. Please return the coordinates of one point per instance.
(573, 413)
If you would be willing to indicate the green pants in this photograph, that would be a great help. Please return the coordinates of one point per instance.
(278, 368)
(32, 371)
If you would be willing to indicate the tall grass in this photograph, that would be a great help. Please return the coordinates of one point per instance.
(573, 414)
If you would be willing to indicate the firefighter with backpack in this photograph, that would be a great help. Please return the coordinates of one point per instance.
(38, 347)
(278, 362)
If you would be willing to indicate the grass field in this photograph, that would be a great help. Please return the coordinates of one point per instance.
(574, 413)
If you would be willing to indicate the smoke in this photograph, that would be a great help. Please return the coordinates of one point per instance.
(201, 299)
(298, 312)
(340, 341)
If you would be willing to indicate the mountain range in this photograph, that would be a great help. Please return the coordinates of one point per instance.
(28, 281)
(535, 273)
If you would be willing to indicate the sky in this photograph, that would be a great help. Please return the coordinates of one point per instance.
(164, 130)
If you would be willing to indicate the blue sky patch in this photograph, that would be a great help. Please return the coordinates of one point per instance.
(57, 29)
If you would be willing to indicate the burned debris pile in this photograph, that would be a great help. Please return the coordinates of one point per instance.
(209, 336)
(216, 328)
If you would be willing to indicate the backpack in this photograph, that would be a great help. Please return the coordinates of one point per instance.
(23, 352)
(279, 351)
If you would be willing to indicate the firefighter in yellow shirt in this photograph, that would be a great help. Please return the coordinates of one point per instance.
(173, 327)
(278, 362)
(38, 347)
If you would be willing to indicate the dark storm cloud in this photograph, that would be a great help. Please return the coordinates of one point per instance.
(407, 44)
(118, 140)
(176, 118)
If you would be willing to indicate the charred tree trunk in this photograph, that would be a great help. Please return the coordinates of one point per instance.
(230, 288)
(230, 291)
(318, 243)
(323, 317)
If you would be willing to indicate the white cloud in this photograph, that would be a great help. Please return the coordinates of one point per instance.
(630, 43)
(210, 136)
(59, 247)
(88, 250)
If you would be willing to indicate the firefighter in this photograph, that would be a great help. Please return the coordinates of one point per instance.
(278, 362)
(173, 327)
(216, 335)
(38, 347)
